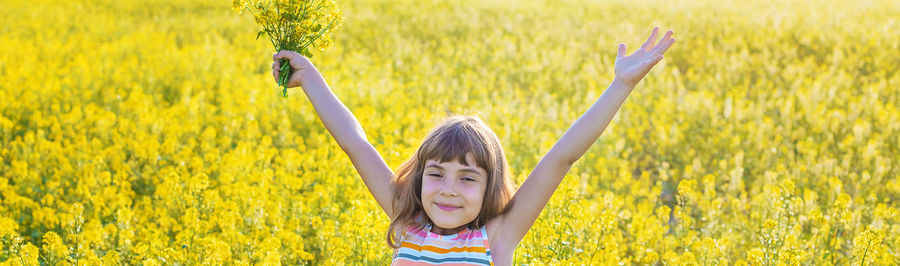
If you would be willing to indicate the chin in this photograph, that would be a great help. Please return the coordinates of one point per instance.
(446, 221)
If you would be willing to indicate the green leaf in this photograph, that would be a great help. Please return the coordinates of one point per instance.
(260, 34)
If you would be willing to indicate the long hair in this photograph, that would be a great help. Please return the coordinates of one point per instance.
(453, 139)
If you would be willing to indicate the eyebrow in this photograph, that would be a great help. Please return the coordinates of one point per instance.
(467, 169)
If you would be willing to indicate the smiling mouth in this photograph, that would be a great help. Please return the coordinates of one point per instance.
(446, 207)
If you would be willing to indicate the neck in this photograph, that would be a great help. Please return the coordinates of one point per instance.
(444, 231)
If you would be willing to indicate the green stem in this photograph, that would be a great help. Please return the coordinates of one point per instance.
(285, 74)
(863, 262)
(833, 243)
(322, 31)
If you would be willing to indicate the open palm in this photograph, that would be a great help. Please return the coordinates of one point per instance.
(632, 68)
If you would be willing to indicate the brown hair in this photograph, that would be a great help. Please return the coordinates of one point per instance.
(453, 139)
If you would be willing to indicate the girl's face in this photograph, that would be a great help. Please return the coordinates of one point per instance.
(452, 193)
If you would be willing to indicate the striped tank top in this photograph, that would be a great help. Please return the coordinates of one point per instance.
(422, 247)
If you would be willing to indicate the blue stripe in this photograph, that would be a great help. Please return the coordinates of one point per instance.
(445, 256)
(423, 258)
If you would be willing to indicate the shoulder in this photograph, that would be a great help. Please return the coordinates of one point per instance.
(405, 227)
(413, 231)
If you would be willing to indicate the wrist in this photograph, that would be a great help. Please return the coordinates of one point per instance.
(309, 76)
(622, 84)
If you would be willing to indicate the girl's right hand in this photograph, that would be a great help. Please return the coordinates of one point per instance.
(299, 63)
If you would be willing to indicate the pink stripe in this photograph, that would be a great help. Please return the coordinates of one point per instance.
(463, 236)
(448, 244)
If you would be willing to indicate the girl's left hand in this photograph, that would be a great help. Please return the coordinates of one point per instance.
(632, 68)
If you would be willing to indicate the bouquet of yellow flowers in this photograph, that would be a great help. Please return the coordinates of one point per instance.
(294, 25)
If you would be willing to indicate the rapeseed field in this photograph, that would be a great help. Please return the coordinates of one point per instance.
(153, 133)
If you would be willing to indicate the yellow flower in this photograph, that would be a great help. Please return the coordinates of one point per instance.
(75, 218)
(238, 5)
(8, 227)
(123, 218)
(272, 258)
(197, 183)
(111, 258)
(45, 216)
(865, 244)
(842, 201)
(787, 187)
(686, 191)
(816, 218)
(650, 257)
(756, 256)
(54, 245)
(662, 214)
(769, 225)
(218, 252)
(323, 43)
(29, 254)
(686, 258)
(93, 234)
(90, 258)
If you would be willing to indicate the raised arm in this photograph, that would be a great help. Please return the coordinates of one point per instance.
(342, 125)
(533, 195)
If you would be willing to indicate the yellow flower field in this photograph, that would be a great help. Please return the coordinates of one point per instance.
(153, 133)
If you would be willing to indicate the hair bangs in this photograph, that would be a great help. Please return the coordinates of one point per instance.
(455, 143)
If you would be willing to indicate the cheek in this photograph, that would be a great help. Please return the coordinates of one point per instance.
(474, 194)
(428, 188)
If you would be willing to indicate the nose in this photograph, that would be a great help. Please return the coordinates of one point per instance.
(448, 188)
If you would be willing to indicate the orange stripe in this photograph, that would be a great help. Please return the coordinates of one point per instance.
(401, 262)
(442, 250)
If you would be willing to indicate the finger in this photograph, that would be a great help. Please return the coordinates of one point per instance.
(666, 37)
(286, 54)
(651, 40)
(281, 55)
(621, 52)
(655, 60)
(664, 46)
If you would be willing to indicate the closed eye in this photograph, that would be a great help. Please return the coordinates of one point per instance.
(468, 179)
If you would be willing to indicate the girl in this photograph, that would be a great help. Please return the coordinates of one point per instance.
(453, 201)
